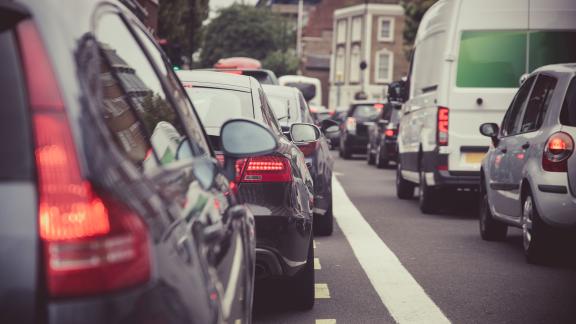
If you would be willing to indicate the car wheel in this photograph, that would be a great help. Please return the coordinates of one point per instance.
(302, 285)
(370, 158)
(344, 152)
(381, 161)
(490, 229)
(535, 236)
(428, 198)
(404, 188)
(324, 224)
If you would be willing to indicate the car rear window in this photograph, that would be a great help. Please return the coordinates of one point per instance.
(497, 59)
(365, 112)
(215, 106)
(17, 160)
(568, 114)
(285, 109)
(262, 76)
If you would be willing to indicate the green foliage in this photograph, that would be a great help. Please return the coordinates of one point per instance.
(281, 62)
(414, 10)
(242, 30)
(180, 22)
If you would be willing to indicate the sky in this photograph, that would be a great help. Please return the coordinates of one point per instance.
(215, 4)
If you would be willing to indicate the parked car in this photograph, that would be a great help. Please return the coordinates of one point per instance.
(382, 147)
(277, 187)
(354, 130)
(114, 209)
(455, 85)
(528, 176)
(290, 107)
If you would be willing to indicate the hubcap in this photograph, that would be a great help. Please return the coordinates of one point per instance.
(527, 214)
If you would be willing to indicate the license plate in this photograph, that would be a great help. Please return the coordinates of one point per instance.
(474, 158)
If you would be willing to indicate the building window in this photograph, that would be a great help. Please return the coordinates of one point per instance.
(341, 31)
(340, 64)
(356, 29)
(384, 66)
(355, 64)
(385, 29)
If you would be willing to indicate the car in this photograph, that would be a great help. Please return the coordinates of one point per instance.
(528, 176)
(114, 208)
(382, 146)
(277, 187)
(311, 87)
(455, 85)
(338, 115)
(245, 66)
(354, 130)
(290, 107)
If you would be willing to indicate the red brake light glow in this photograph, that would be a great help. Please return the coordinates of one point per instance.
(378, 106)
(266, 169)
(389, 132)
(351, 124)
(557, 150)
(442, 127)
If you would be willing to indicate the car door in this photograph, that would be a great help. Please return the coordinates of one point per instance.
(162, 134)
(504, 188)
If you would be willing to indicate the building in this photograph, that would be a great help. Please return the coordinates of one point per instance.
(369, 33)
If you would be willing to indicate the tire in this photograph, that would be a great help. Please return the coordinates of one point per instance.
(381, 162)
(536, 237)
(490, 229)
(324, 224)
(404, 188)
(344, 152)
(370, 158)
(429, 197)
(302, 285)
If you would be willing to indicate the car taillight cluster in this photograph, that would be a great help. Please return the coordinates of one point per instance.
(269, 168)
(559, 147)
(390, 132)
(442, 126)
(351, 124)
(92, 244)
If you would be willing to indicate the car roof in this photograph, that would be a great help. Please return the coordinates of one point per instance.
(559, 68)
(280, 91)
(217, 79)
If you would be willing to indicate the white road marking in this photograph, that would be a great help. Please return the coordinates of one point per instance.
(317, 265)
(230, 292)
(321, 291)
(337, 173)
(326, 321)
(314, 243)
(404, 298)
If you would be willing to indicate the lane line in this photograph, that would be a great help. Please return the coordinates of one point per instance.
(404, 298)
(317, 265)
(326, 321)
(314, 243)
(321, 291)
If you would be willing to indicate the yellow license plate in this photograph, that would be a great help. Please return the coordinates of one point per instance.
(474, 158)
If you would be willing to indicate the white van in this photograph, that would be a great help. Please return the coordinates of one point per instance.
(468, 58)
(302, 82)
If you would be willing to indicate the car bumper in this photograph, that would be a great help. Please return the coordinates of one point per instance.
(356, 143)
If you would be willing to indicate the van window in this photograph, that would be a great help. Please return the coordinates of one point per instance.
(552, 47)
(538, 103)
(491, 59)
(568, 114)
(428, 60)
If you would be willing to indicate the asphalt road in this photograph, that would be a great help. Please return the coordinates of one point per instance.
(469, 280)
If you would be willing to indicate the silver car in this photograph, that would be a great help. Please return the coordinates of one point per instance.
(528, 177)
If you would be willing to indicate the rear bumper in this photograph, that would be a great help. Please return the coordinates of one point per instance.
(355, 143)
(433, 160)
(391, 149)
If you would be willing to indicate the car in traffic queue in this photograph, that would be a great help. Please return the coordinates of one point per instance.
(354, 129)
(455, 84)
(382, 147)
(246, 66)
(114, 208)
(277, 187)
(311, 88)
(528, 177)
(290, 107)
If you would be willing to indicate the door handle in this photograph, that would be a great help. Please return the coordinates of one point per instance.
(526, 145)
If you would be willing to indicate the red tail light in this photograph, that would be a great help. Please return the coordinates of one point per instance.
(308, 148)
(557, 150)
(442, 129)
(351, 124)
(91, 244)
(266, 169)
(389, 132)
(378, 106)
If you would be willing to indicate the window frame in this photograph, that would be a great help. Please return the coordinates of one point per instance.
(541, 115)
(377, 77)
(390, 38)
(505, 121)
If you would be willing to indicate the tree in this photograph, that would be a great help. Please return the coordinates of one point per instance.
(180, 24)
(414, 11)
(242, 30)
(281, 62)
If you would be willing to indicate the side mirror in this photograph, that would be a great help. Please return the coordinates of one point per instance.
(397, 92)
(523, 78)
(490, 130)
(304, 133)
(242, 138)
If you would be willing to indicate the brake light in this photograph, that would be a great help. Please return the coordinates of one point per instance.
(91, 243)
(267, 169)
(557, 150)
(389, 132)
(378, 106)
(442, 127)
(351, 124)
(308, 148)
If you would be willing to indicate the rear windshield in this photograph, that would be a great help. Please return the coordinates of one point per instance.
(497, 59)
(307, 89)
(16, 152)
(365, 112)
(215, 106)
(285, 109)
(568, 114)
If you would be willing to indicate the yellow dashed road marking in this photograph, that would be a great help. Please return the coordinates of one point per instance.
(321, 291)
(317, 265)
(326, 321)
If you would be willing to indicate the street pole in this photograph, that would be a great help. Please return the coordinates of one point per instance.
(299, 34)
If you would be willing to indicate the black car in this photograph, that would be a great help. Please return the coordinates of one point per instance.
(290, 107)
(382, 147)
(354, 129)
(114, 207)
(278, 187)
